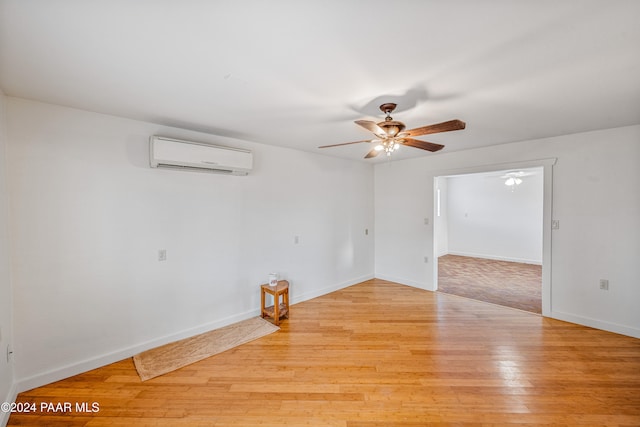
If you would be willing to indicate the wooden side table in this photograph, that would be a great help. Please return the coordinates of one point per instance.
(277, 310)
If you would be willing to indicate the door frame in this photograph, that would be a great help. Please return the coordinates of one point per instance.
(547, 202)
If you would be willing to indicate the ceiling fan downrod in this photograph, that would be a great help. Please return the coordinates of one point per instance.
(388, 109)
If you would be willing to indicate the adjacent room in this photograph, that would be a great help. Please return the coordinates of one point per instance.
(170, 169)
(488, 237)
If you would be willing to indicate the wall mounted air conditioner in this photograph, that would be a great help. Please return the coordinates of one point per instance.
(186, 155)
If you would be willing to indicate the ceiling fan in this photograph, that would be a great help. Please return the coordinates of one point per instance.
(390, 134)
(514, 178)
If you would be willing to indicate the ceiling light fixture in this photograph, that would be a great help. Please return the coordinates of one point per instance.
(513, 181)
(389, 146)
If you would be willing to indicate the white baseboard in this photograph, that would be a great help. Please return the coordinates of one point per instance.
(70, 370)
(10, 397)
(597, 324)
(403, 281)
(323, 291)
(496, 257)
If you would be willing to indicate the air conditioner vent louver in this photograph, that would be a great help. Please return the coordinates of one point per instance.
(186, 155)
(195, 168)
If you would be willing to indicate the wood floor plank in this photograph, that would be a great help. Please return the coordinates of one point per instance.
(377, 354)
(511, 284)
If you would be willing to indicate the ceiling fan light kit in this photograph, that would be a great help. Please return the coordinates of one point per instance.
(514, 178)
(512, 181)
(391, 134)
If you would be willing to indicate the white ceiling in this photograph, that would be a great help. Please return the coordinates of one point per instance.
(298, 73)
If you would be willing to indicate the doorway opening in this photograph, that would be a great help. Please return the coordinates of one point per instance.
(492, 235)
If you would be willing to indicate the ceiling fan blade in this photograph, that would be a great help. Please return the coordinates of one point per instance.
(372, 127)
(371, 154)
(345, 143)
(437, 128)
(424, 145)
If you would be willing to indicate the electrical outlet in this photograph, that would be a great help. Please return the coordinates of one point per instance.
(162, 255)
(555, 224)
(296, 240)
(426, 221)
(604, 284)
(426, 260)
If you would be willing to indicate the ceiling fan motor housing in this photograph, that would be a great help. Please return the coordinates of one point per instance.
(391, 127)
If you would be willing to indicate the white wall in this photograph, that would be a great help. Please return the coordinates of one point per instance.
(88, 217)
(7, 390)
(487, 219)
(595, 198)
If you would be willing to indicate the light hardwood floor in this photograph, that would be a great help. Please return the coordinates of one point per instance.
(378, 354)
